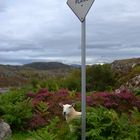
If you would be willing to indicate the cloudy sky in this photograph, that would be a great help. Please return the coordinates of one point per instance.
(47, 30)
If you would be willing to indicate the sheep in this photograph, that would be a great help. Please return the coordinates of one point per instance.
(70, 114)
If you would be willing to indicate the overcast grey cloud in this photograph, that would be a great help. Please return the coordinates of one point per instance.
(46, 30)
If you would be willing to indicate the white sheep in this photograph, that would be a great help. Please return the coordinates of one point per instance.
(70, 114)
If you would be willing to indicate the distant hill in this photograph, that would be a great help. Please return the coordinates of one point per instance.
(20, 75)
(76, 66)
(47, 65)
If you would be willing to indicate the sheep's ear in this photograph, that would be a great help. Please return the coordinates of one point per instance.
(73, 104)
(60, 104)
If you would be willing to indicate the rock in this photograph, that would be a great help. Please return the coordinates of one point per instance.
(5, 131)
(130, 84)
(134, 82)
(121, 89)
(125, 66)
(4, 90)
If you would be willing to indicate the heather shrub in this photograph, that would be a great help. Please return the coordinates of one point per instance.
(15, 108)
(121, 102)
(46, 104)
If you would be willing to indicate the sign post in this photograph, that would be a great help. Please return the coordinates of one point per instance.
(81, 8)
(83, 60)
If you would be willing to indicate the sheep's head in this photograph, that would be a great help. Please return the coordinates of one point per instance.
(67, 108)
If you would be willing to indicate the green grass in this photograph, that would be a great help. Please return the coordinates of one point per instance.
(21, 136)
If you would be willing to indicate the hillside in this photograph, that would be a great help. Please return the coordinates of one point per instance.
(125, 65)
(21, 75)
(47, 65)
(127, 72)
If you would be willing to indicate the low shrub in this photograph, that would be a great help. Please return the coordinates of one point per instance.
(136, 91)
(52, 84)
(104, 124)
(73, 81)
(119, 118)
(101, 124)
(46, 104)
(15, 108)
(100, 78)
(20, 136)
(121, 102)
(48, 132)
(34, 110)
(54, 131)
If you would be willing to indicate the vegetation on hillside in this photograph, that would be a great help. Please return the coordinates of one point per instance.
(13, 76)
(99, 77)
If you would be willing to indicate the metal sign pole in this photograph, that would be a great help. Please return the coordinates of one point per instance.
(81, 8)
(83, 67)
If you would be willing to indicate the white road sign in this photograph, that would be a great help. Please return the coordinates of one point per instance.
(80, 7)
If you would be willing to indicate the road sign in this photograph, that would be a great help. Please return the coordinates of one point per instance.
(80, 7)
